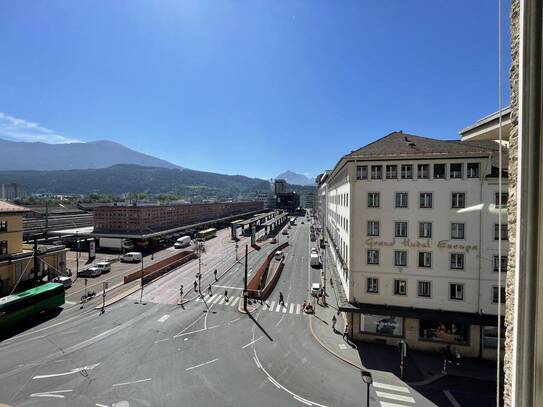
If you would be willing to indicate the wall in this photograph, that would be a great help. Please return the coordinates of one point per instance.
(14, 234)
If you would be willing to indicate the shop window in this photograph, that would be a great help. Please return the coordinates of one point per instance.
(381, 325)
(448, 332)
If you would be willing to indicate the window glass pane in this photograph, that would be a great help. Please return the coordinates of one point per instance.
(406, 171)
(392, 171)
(423, 171)
(456, 170)
(439, 171)
(473, 170)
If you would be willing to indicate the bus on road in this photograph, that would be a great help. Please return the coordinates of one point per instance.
(16, 309)
(207, 234)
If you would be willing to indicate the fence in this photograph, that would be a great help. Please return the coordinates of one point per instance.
(161, 267)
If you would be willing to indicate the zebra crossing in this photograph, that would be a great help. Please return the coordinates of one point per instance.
(273, 306)
(390, 395)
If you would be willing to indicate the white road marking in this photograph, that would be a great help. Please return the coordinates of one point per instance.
(53, 394)
(278, 307)
(250, 343)
(216, 299)
(222, 301)
(230, 288)
(193, 332)
(401, 389)
(234, 301)
(163, 318)
(134, 382)
(162, 340)
(271, 379)
(271, 305)
(201, 364)
(392, 396)
(70, 302)
(76, 370)
(387, 404)
(100, 405)
(298, 308)
(291, 308)
(303, 400)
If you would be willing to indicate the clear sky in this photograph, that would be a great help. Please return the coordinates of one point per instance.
(247, 87)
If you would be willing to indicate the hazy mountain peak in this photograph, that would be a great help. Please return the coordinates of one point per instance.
(294, 178)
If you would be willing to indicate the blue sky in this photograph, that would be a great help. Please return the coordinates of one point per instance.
(247, 87)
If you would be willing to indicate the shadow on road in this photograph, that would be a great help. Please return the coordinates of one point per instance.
(261, 327)
(30, 323)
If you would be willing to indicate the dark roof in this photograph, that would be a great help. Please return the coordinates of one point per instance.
(399, 144)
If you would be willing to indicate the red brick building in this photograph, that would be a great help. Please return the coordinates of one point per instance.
(142, 219)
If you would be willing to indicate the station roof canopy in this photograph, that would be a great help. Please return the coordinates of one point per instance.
(255, 219)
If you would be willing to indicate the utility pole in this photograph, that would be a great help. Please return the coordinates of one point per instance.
(35, 258)
(324, 272)
(141, 292)
(77, 256)
(245, 282)
(236, 252)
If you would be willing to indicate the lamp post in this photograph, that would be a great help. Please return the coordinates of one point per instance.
(366, 378)
(141, 292)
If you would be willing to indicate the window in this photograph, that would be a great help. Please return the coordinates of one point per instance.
(495, 292)
(401, 200)
(425, 200)
(372, 285)
(361, 172)
(400, 229)
(439, 171)
(425, 259)
(400, 258)
(457, 261)
(423, 171)
(391, 171)
(473, 170)
(406, 171)
(373, 256)
(503, 229)
(503, 261)
(503, 203)
(442, 331)
(456, 170)
(3, 247)
(457, 231)
(376, 171)
(373, 199)
(3, 225)
(424, 289)
(373, 228)
(425, 229)
(456, 291)
(458, 200)
(400, 287)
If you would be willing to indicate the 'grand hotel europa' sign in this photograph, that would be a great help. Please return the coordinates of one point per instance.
(421, 244)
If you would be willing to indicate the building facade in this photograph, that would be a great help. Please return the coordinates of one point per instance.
(142, 219)
(18, 268)
(10, 192)
(412, 226)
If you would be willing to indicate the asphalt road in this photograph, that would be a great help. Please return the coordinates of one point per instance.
(206, 353)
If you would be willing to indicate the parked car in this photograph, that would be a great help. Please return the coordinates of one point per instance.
(273, 240)
(278, 255)
(131, 257)
(90, 272)
(284, 232)
(105, 266)
(313, 237)
(314, 260)
(314, 250)
(316, 289)
(65, 281)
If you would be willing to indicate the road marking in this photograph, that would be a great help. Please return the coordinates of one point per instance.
(298, 307)
(278, 307)
(76, 370)
(250, 343)
(134, 382)
(201, 364)
(303, 400)
(271, 379)
(234, 301)
(387, 404)
(100, 405)
(392, 396)
(198, 330)
(379, 385)
(216, 299)
(271, 305)
(163, 318)
(162, 340)
(70, 302)
(53, 394)
(231, 288)
(222, 301)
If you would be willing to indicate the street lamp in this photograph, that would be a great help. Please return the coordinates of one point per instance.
(366, 378)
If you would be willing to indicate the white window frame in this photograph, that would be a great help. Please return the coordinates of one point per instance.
(425, 195)
(372, 285)
(463, 231)
(396, 284)
(370, 229)
(462, 291)
(400, 200)
(396, 253)
(455, 263)
(421, 236)
(427, 259)
(401, 223)
(429, 286)
(377, 254)
(455, 204)
(375, 197)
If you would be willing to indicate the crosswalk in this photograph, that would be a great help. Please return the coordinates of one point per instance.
(286, 308)
(390, 395)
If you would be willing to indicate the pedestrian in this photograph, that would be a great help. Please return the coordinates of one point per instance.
(181, 291)
(195, 286)
(281, 299)
(226, 295)
(215, 273)
(345, 330)
(334, 320)
(209, 290)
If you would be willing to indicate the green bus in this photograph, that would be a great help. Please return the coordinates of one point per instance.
(207, 234)
(17, 308)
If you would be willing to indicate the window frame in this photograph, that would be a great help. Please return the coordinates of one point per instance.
(463, 231)
(376, 251)
(420, 229)
(419, 171)
(478, 170)
(359, 175)
(396, 258)
(431, 195)
(429, 283)
(395, 166)
(374, 280)
(376, 194)
(451, 172)
(463, 195)
(457, 285)
(379, 168)
(378, 223)
(407, 166)
(424, 253)
(396, 284)
(401, 193)
(462, 256)
(440, 165)
(496, 261)
(494, 296)
(402, 222)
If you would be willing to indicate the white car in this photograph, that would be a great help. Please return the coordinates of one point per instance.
(65, 281)
(314, 250)
(278, 255)
(104, 266)
(132, 257)
(90, 272)
(316, 289)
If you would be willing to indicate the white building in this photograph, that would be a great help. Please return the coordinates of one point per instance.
(413, 229)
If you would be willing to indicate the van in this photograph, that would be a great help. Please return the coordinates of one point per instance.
(104, 266)
(132, 257)
(182, 242)
(314, 260)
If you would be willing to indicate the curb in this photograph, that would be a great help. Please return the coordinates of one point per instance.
(430, 380)
(119, 296)
(330, 350)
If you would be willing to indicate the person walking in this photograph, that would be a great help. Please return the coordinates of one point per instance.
(209, 291)
(226, 295)
(215, 273)
(345, 330)
(195, 286)
(181, 291)
(281, 299)
(334, 320)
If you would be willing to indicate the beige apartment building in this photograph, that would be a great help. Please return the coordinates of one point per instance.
(16, 258)
(413, 232)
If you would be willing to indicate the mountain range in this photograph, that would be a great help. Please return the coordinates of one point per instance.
(19, 155)
(295, 178)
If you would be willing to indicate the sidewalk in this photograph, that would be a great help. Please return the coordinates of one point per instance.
(420, 368)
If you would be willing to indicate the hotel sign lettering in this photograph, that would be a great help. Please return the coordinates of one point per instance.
(421, 244)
